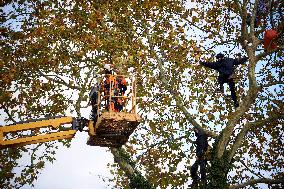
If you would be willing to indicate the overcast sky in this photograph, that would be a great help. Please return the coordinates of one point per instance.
(76, 167)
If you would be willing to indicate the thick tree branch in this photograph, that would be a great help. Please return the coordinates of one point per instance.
(257, 181)
(127, 165)
(127, 168)
(239, 139)
(245, 104)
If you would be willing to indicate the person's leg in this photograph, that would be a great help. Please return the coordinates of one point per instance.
(193, 173)
(233, 92)
(203, 163)
(221, 81)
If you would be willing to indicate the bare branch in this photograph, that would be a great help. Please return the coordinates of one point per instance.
(257, 181)
(266, 53)
(272, 84)
(252, 171)
(164, 142)
(245, 129)
(59, 80)
(253, 19)
(8, 113)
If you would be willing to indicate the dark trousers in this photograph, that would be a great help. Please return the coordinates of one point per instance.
(193, 171)
(226, 79)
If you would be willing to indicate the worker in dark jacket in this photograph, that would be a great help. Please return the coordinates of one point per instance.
(226, 67)
(201, 148)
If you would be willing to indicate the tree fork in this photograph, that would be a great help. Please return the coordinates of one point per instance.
(219, 169)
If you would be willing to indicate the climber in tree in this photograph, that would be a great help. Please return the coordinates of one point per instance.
(226, 67)
(201, 148)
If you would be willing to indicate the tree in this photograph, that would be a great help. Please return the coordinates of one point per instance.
(51, 48)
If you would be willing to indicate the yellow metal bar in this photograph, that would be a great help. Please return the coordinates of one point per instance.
(1, 135)
(54, 122)
(37, 139)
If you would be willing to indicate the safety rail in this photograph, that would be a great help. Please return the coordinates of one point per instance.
(108, 96)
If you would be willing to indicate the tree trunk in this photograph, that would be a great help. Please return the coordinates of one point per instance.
(137, 180)
(217, 173)
(219, 168)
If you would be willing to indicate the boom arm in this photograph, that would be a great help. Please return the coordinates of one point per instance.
(38, 137)
(110, 125)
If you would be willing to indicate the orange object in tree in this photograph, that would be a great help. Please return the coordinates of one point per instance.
(269, 35)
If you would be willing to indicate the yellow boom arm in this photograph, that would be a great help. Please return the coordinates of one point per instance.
(38, 137)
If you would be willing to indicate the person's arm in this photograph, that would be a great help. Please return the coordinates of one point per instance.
(212, 65)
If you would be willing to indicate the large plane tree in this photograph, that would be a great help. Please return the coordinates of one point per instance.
(51, 52)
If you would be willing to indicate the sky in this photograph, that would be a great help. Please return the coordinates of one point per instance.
(76, 167)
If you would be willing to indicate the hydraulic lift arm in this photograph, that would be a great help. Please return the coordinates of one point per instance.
(54, 133)
(113, 120)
